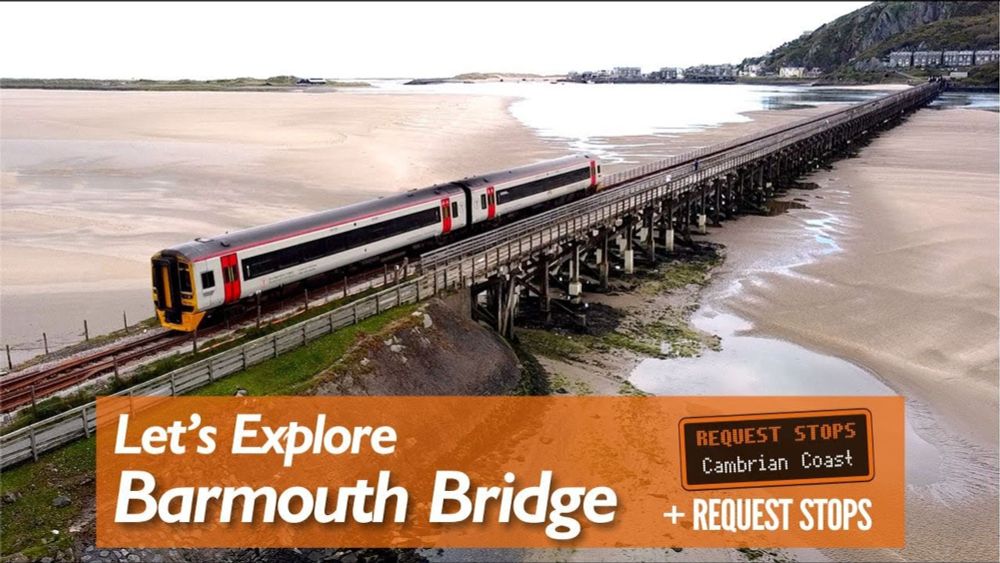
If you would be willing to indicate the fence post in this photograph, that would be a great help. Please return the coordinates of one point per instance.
(86, 424)
(86, 331)
(194, 341)
(10, 365)
(345, 287)
(243, 354)
(211, 371)
(305, 297)
(45, 342)
(173, 385)
(34, 446)
(354, 313)
(125, 321)
(304, 338)
(274, 345)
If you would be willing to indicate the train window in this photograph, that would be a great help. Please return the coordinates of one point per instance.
(482, 201)
(264, 264)
(184, 275)
(454, 209)
(598, 168)
(542, 185)
(207, 280)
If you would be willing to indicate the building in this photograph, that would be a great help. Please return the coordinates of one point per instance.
(751, 70)
(958, 74)
(983, 57)
(958, 58)
(899, 59)
(313, 81)
(710, 72)
(626, 73)
(665, 73)
(792, 71)
(927, 58)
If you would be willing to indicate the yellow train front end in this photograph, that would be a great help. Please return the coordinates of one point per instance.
(174, 292)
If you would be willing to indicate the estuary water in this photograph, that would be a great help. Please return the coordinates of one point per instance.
(595, 117)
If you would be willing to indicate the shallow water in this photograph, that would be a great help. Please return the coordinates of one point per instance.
(753, 365)
(968, 100)
(586, 114)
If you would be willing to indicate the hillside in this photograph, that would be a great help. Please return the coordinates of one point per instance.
(875, 30)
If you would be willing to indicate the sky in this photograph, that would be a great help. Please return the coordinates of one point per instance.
(348, 40)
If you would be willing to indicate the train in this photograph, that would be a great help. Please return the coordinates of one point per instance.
(207, 274)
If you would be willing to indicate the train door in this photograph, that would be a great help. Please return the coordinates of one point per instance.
(445, 216)
(491, 203)
(593, 173)
(165, 281)
(231, 277)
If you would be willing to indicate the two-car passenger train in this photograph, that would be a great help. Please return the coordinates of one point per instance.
(206, 274)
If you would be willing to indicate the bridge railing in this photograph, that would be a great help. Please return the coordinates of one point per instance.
(483, 255)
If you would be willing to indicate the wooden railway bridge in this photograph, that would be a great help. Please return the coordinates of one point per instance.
(647, 208)
(642, 211)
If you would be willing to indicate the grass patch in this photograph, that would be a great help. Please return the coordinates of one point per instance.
(534, 379)
(292, 373)
(29, 521)
(629, 390)
(70, 470)
(680, 274)
(554, 345)
(632, 342)
(571, 386)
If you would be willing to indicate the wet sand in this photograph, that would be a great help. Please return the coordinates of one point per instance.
(93, 183)
(893, 266)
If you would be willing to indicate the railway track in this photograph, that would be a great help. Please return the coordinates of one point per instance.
(19, 389)
(22, 388)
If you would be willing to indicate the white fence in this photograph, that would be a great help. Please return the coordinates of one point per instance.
(51, 433)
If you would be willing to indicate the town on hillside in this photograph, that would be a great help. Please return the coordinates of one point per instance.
(957, 62)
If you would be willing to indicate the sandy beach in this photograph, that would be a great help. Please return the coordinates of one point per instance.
(102, 180)
(892, 266)
(98, 181)
(885, 276)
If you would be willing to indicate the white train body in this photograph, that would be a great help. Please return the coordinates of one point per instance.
(208, 273)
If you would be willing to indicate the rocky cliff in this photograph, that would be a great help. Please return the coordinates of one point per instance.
(881, 27)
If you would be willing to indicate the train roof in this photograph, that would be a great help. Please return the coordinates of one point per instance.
(508, 175)
(207, 247)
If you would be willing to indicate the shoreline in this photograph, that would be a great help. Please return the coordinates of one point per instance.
(775, 278)
(128, 172)
(113, 147)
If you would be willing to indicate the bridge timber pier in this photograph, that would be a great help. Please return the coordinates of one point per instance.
(644, 212)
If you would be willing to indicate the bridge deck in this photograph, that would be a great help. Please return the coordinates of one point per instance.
(634, 190)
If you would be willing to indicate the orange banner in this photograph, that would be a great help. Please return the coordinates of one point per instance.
(500, 472)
